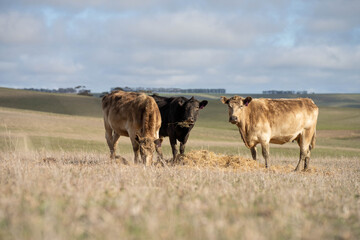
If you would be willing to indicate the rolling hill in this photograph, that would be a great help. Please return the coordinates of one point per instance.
(50, 102)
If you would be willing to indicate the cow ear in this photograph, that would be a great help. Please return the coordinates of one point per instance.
(158, 142)
(203, 104)
(247, 100)
(181, 102)
(224, 100)
(192, 98)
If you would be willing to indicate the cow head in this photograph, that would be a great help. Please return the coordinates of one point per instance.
(147, 147)
(236, 106)
(189, 109)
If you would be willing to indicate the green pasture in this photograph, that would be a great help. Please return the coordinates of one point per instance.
(339, 118)
(70, 104)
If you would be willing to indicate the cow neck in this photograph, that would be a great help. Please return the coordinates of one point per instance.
(244, 121)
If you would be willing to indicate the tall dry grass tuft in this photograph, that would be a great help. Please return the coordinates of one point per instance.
(58, 195)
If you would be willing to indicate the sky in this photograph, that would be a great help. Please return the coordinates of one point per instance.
(244, 46)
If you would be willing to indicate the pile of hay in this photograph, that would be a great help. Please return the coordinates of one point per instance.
(204, 158)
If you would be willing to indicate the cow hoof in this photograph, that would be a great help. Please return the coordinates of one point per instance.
(120, 159)
(161, 162)
(179, 158)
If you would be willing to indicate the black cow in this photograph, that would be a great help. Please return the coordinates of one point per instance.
(178, 117)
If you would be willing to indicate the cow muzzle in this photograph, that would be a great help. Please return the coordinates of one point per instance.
(190, 121)
(186, 124)
(233, 119)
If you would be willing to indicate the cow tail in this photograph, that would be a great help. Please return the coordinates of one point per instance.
(148, 117)
(145, 120)
(313, 141)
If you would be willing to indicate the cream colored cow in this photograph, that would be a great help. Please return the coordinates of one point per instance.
(265, 121)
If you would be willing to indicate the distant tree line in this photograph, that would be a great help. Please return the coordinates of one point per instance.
(80, 90)
(285, 92)
(171, 90)
(59, 90)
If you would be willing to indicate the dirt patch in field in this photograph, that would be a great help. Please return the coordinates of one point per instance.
(207, 159)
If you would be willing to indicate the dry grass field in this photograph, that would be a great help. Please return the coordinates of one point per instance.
(86, 196)
(57, 182)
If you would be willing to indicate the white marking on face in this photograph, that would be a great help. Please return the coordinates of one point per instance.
(234, 110)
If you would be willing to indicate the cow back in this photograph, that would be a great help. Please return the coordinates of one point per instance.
(281, 111)
(129, 110)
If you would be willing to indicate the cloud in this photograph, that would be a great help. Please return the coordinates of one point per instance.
(73, 6)
(330, 23)
(146, 71)
(7, 66)
(17, 28)
(238, 45)
(192, 29)
(49, 65)
(311, 57)
(250, 79)
(184, 59)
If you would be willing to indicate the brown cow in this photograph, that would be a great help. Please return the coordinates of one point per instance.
(134, 115)
(276, 121)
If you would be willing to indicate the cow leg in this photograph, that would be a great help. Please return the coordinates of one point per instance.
(304, 143)
(182, 148)
(110, 143)
(299, 141)
(253, 152)
(160, 156)
(173, 148)
(159, 150)
(265, 152)
(302, 156)
(307, 162)
(115, 141)
(309, 134)
(109, 140)
(136, 148)
(182, 144)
